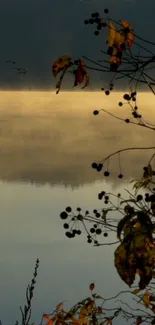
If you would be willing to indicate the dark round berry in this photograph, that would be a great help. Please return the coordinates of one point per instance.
(111, 88)
(78, 232)
(80, 217)
(87, 212)
(106, 11)
(120, 176)
(105, 234)
(139, 197)
(100, 196)
(113, 67)
(133, 99)
(98, 231)
(96, 32)
(63, 215)
(106, 173)
(68, 234)
(95, 211)
(78, 209)
(95, 14)
(106, 202)
(96, 242)
(127, 120)
(91, 21)
(68, 209)
(66, 225)
(94, 165)
(119, 54)
(95, 112)
(110, 50)
(106, 197)
(86, 22)
(99, 167)
(102, 89)
(97, 20)
(123, 46)
(98, 215)
(126, 30)
(89, 241)
(126, 97)
(95, 226)
(136, 107)
(152, 198)
(120, 104)
(92, 230)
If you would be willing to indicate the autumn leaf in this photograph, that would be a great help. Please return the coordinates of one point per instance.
(59, 306)
(111, 34)
(61, 63)
(109, 321)
(79, 76)
(146, 299)
(136, 291)
(138, 320)
(92, 286)
(51, 321)
(46, 316)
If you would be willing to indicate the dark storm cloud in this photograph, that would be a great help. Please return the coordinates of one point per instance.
(34, 33)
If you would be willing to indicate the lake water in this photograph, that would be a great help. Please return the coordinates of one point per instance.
(47, 145)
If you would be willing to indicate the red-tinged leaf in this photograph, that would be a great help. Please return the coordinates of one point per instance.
(79, 76)
(138, 320)
(46, 316)
(59, 306)
(51, 321)
(92, 286)
(58, 85)
(109, 321)
(86, 81)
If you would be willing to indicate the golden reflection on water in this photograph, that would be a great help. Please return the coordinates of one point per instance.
(49, 138)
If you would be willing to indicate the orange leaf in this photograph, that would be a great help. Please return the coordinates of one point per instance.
(92, 286)
(46, 316)
(61, 63)
(59, 306)
(51, 321)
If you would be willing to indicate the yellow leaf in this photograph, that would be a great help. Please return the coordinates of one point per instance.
(136, 291)
(61, 63)
(146, 299)
(111, 34)
(83, 320)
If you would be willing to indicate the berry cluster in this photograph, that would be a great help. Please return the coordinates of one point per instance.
(99, 167)
(96, 19)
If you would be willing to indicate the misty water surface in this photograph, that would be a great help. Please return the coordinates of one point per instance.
(47, 145)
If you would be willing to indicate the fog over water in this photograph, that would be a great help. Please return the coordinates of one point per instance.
(47, 145)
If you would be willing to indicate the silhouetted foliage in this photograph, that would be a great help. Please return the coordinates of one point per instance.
(136, 252)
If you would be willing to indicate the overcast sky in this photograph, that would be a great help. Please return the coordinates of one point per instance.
(35, 32)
